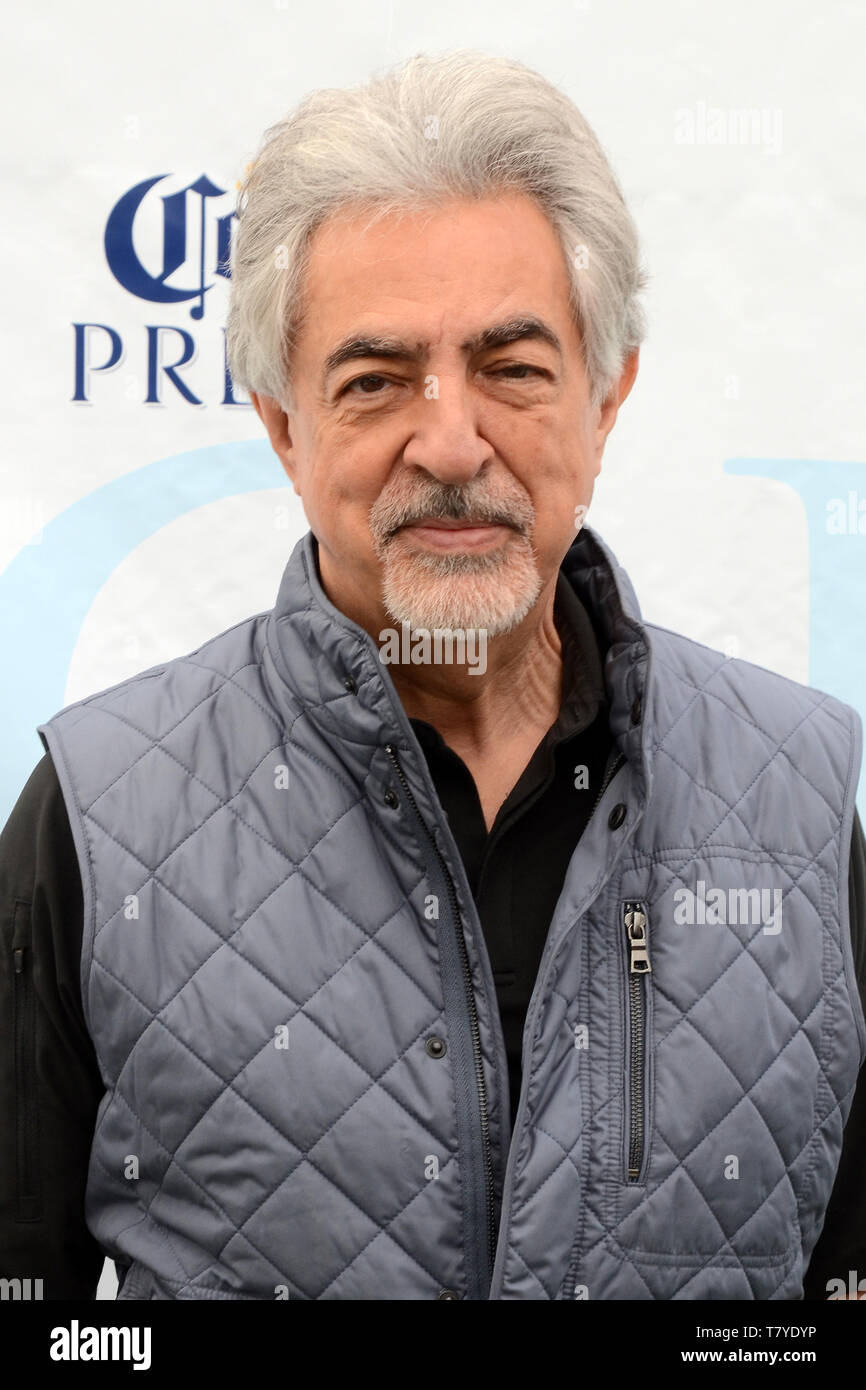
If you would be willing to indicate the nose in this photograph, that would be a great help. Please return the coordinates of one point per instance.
(445, 439)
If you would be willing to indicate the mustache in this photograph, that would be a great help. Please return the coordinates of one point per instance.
(450, 504)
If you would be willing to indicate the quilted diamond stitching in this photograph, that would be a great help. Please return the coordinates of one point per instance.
(731, 808)
(227, 942)
(239, 1231)
(738, 714)
(381, 1229)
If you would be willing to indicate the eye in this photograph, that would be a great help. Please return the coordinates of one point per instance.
(521, 367)
(367, 377)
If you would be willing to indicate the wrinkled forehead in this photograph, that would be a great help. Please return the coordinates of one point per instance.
(450, 271)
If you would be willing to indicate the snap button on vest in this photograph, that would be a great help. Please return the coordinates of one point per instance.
(448, 1293)
(617, 816)
(351, 684)
(436, 1047)
(391, 798)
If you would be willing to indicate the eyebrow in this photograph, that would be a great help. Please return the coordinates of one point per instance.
(397, 349)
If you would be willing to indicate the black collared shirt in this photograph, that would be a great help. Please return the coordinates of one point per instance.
(516, 874)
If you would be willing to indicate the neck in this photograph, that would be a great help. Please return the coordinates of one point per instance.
(514, 693)
(519, 691)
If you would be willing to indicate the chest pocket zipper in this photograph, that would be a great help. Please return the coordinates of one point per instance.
(28, 1178)
(635, 924)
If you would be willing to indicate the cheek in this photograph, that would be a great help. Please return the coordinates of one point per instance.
(553, 439)
(341, 490)
(560, 480)
(551, 462)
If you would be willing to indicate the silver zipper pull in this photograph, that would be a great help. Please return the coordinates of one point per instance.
(635, 925)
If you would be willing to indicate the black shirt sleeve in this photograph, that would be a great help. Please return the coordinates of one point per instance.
(841, 1245)
(50, 1086)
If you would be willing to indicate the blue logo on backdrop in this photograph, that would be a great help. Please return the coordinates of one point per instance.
(123, 260)
(195, 239)
(48, 589)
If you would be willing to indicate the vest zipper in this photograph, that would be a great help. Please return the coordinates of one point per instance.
(635, 923)
(28, 1184)
(473, 1012)
(614, 762)
(612, 769)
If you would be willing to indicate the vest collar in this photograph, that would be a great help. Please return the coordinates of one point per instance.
(332, 665)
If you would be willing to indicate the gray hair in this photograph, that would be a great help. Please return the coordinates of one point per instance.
(463, 124)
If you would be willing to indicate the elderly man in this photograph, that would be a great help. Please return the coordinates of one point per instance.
(447, 931)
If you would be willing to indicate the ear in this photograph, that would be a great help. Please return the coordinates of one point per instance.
(610, 407)
(276, 422)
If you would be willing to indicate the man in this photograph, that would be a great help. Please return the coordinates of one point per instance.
(517, 965)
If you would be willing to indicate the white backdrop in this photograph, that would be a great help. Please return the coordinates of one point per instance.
(122, 544)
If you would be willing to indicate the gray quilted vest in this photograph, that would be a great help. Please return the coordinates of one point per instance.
(287, 986)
